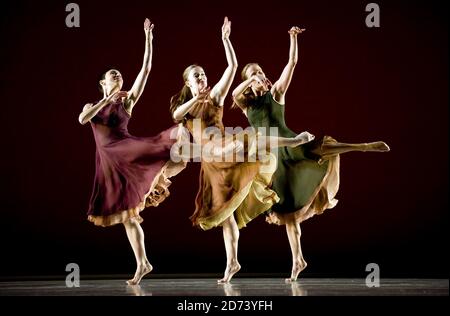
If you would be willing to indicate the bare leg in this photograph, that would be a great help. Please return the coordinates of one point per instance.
(230, 238)
(298, 263)
(340, 148)
(136, 237)
(266, 142)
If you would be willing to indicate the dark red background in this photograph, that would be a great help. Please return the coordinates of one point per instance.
(352, 82)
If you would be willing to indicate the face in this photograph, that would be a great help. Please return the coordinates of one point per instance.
(113, 79)
(256, 70)
(197, 80)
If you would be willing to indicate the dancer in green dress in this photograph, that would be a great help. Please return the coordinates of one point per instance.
(307, 176)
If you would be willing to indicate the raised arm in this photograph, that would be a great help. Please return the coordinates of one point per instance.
(139, 83)
(220, 90)
(280, 87)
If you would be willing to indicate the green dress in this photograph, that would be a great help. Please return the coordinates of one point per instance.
(306, 179)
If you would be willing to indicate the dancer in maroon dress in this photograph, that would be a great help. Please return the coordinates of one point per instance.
(131, 172)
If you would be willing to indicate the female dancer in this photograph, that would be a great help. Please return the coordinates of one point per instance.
(230, 193)
(131, 172)
(307, 176)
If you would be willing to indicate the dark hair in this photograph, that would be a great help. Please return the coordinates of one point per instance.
(102, 77)
(248, 92)
(184, 94)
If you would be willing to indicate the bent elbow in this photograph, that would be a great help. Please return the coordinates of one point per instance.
(176, 117)
(82, 119)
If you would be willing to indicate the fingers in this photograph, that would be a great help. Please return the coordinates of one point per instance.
(118, 95)
(226, 27)
(203, 94)
(296, 30)
(148, 25)
(226, 22)
(121, 94)
(206, 90)
(257, 80)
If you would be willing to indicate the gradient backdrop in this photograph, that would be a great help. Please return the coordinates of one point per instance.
(352, 82)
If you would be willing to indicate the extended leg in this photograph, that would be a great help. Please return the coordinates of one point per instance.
(340, 148)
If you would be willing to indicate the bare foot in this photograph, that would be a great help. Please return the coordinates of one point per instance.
(297, 267)
(303, 138)
(377, 146)
(140, 272)
(230, 270)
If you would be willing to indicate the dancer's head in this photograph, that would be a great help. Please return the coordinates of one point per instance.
(110, 81)
(194, 79)
(254, 69)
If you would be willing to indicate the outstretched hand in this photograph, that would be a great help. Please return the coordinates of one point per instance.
(203, 94)
(117, 96)
(296, 30)
(148, 27)
(226, 28)
(263, 81)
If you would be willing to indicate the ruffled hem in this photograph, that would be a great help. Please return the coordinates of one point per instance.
(323, 197)
(246, 204)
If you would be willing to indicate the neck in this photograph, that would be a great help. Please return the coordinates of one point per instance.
(108, 92)
(258, 92)
(194, 93)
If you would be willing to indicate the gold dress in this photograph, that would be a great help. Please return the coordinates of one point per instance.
(226, 188)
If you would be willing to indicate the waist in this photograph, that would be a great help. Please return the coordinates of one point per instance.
(106, 138)
(274, 130)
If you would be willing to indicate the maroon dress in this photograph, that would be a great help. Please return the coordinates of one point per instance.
(131, 172)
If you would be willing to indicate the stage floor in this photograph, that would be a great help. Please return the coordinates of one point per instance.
(238, 287)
